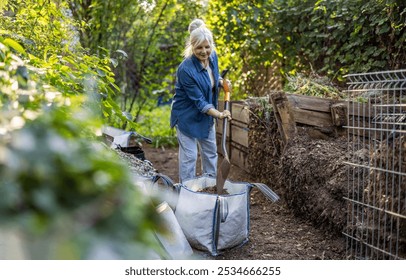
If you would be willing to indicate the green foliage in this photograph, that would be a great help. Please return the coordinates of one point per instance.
(42, 27)
(154, 123)
(152, 34)
(243, 41)
(342, 36)
(47, 177)
(312, 85)
(146, 39)
(329, 37)
(61, 188)
(48, 38)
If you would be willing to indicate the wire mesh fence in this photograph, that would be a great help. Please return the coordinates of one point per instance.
(376, 225)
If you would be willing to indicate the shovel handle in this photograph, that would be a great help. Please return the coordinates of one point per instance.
(226, 107)
(226, 91)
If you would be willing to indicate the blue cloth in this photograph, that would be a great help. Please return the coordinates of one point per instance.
(194, 96)
(161, 101)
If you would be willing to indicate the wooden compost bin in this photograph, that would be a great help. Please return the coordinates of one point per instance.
(326, 116)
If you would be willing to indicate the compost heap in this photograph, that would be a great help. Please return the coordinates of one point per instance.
(311, 176)
(308, 173)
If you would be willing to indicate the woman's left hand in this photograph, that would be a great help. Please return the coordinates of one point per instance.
(225, 114)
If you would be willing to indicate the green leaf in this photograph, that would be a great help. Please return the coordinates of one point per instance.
(14, 45)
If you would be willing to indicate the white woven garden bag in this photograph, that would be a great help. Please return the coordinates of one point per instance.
(213, 222)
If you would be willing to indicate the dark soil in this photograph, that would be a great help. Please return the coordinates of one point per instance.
(279, 230)
(213, 190)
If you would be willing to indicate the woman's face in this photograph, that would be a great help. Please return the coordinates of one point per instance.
(202, 51)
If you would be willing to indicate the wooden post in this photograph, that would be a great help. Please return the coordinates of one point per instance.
(284, 115)
(339, 114)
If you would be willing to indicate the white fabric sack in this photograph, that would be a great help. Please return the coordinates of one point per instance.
(159, 188)
(173, 240)
(209, 222)
(213, 222)
(122, 140)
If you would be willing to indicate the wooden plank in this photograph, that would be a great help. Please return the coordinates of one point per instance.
(284, 115)
(310, 102)
(239, 158)
(240, 113)
(319, 119)
(324, 105)
(239, 135)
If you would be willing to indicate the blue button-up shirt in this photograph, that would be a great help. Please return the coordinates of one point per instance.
(194, 96)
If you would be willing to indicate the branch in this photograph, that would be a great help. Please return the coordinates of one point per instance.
(145, 52)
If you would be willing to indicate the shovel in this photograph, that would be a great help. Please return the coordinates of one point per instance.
(225, 164)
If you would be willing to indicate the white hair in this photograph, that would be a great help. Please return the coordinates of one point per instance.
(196, 23)
(198, 34)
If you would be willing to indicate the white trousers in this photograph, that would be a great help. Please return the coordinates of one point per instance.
(188, 153)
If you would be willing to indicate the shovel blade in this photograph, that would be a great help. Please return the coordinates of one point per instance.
(223, 174)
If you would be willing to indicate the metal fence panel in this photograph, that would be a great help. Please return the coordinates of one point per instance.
(376, 226)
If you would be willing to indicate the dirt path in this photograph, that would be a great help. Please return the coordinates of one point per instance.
(275, 233)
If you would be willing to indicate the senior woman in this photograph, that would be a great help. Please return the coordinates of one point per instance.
(194, 106)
